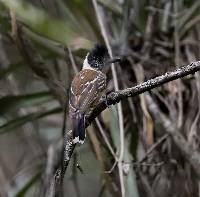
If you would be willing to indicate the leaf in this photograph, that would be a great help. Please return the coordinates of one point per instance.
(44, 24)
(195, 20)
(85, 21)
(44, 43)
(112, 5)
(191, 12)
(10, 69)
(140, 14)
(19, 121)
(130, 178)
(114, 125)
(12, 103)
(28, 185)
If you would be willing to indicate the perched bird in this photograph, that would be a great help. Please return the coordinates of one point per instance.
(87, 88)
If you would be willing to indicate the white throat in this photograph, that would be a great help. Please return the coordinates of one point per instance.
(86, 65)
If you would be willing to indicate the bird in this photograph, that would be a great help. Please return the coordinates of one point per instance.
(87, 88)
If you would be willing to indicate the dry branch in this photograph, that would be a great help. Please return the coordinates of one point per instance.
(116, 97)
(191, 155)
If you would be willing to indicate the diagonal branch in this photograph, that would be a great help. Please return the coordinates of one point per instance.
(112, 99)
(117, 96)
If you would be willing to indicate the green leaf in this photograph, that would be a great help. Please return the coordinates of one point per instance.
(112, 5)
(130, 178)
(114, 125)
(19, 121)
(12, 103)
(28, 185)
(189, 15)
(54, 50)
(140, 14)
(79, 17)
(10, 69)
(44, 24)
(85, 21)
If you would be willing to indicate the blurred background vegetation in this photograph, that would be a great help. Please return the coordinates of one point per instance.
(35, 73)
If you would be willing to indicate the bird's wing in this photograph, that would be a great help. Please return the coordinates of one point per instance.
(86, 88)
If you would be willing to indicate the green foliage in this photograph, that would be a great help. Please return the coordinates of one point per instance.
(22, 192)
(12, 103)
(19, 121)
(42, 23)
(5, 72)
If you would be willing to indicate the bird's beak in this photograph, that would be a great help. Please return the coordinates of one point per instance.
(114, 60)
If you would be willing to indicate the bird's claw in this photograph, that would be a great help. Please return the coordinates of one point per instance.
(105, 100)
(87, 123)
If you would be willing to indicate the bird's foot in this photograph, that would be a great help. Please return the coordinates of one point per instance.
(105, 100)
(87, 123)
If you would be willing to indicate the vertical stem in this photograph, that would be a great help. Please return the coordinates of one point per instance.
(119, 106)
(177, 62)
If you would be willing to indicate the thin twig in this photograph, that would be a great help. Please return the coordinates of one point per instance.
(191, 155)
(150, 28)
(112, 168)
(154, 147)
(119, 106)
(149, 164)
(13, 24)
(105, 138)
(177, 62)
(75, 68)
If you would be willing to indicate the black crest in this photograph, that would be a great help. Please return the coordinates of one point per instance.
(98, 56)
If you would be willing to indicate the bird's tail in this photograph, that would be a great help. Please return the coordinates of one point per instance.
(78, 128)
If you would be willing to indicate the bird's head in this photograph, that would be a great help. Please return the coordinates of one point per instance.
(98, 58)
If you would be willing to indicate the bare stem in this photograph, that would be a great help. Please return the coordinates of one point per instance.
(119, 106)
